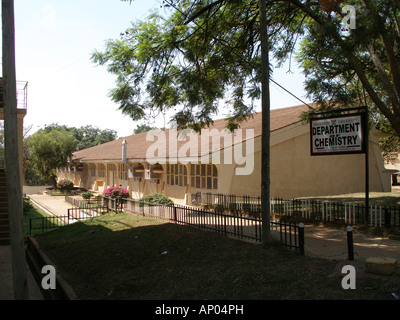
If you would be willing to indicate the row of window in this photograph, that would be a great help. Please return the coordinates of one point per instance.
(101, 170)
(203, 176)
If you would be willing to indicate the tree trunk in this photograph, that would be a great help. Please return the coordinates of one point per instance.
(14, 188)
(265, 107)
(54, 181)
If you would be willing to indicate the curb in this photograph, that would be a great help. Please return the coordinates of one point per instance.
(43, 207)
(36, 259)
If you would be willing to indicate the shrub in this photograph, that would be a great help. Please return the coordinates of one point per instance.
(157, 198)
(65, 184)
(219, 207)
(116, 192)
(87, 195)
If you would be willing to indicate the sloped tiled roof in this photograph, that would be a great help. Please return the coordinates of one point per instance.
(137, 144)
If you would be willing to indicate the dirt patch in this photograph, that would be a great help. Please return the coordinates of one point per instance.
(331, 243)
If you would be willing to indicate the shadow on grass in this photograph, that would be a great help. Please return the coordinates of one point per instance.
(125, 256)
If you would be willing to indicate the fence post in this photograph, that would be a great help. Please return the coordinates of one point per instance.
(350, 247)
(387, 217)
(301, 238)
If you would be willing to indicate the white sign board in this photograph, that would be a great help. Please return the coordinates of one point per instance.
(337, 135)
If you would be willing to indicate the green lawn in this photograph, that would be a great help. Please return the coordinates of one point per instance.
(126, 256)
(34, 213)
(31, 211)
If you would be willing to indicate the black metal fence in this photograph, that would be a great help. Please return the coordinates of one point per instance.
(82, 211)
(42, 224)
(312, 209)
(232, 202)
(232, 224)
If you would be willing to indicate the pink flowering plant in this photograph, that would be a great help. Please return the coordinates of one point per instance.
(65, 184)
(116, 192)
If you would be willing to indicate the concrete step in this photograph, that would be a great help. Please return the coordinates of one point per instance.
(4, 222)
(5, 234)
(5, 242)
(4, 219)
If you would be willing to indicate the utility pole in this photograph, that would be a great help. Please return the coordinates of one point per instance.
(265, 138)
(11, 150)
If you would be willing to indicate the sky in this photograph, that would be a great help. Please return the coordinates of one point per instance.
(54, 40)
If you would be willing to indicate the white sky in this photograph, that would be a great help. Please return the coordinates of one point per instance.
(54, 41)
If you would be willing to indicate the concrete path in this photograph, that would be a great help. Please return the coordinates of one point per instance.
(331, 243)
(55, 205)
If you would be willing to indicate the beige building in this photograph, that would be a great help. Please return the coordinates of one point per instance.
(21, 87)
(217, 162)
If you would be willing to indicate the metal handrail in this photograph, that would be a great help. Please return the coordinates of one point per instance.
(22, 94)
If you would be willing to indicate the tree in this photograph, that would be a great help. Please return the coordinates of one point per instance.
(143, 128)
(189, 61)
(265, 134)
(353, 67)
(49, 151)
(205, 51)
(87, 136)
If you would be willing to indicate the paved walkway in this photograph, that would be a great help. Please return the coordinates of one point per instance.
(331, 243)
(55, 205)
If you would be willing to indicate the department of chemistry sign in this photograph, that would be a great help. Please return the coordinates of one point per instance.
(337, 135)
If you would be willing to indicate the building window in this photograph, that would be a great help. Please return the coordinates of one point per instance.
(111, 174)
(92, 168)
(122, 172)
(101, 171)
(204, 176)
(177, 175)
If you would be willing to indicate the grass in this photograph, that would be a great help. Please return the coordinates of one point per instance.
(31, 211)
(126, 256)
